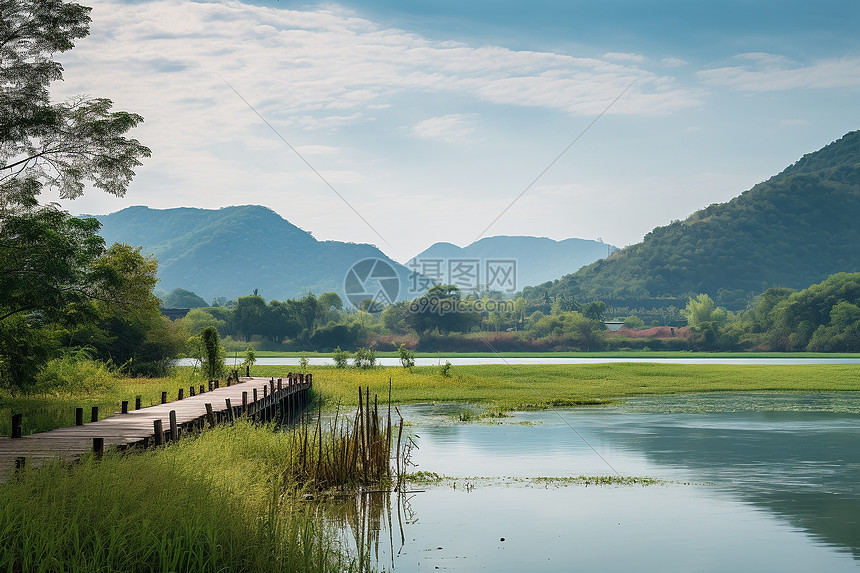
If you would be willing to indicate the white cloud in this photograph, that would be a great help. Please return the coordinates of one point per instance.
(671, 62)
(451, 128)
(770, 72)
(624, 57)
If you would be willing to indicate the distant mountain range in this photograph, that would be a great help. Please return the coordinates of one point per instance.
(233, 251)
(793, 230)
(537, 259)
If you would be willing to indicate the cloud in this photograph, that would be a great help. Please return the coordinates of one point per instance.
(317, 149)
(451, 128)
(772, 72)
(624, 57)
(673, 62)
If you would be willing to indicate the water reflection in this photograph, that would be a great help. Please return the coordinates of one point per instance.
(774, 487)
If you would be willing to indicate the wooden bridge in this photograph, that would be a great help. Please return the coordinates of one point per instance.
(263, 399)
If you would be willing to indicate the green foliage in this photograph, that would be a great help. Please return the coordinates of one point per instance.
(341, 358)
(823, 317)
(61, 145)
(213, 353)
(445, 369)
(250, 359)
(303, 364)
(365, 358)
(633, 322)
(407, 357)
(198, 318)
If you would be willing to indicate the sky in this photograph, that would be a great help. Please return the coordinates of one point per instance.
(404, 123)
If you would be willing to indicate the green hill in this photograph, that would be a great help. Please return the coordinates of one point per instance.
(232, 251)
(793, 230)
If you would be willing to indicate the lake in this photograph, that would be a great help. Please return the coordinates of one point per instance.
(754, 482)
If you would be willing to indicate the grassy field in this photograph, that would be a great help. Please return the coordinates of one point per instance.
(541, 386)
(618, 354)
(215, 503)
(496, 387)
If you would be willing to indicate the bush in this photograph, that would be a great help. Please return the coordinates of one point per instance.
(341, 358)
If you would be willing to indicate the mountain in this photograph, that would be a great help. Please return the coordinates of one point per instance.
(538, 259)
(795, 229)
(235, 250)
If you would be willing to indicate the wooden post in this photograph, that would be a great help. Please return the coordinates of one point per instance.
(229, 410)
(244, 403)
(181, 394)
(159, 432)
(137, 402)
(201, 389)
(280, 384)
(174, 430)
(164, 397)
(210, 416)
(248, 370)
(94, 415)
(272, 386)
(228, 381)
(99, 447)
(217, 384)
(191, 391)
(79, 416)
(211, 385)
(20, 464)
(125, 406)
(265, 391)
(16, 425)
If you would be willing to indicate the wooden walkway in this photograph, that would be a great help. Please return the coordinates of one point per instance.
(263, 398)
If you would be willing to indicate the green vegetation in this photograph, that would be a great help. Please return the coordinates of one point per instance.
(536, 387)
(793, 230)
(60, 287)
(220, 502)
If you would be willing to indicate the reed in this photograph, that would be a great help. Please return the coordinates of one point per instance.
(340, 452)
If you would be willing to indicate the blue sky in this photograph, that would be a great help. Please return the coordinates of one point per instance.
(430, 118)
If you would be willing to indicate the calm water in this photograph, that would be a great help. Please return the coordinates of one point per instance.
(462, 361)
(756, 483)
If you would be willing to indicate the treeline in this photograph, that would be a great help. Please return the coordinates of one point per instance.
(443, 319)
(822, 318)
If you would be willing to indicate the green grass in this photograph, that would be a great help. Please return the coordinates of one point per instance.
(614, 354)
(215, 503)
(540, 386)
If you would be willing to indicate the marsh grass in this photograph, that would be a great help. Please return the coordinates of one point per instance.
(501, 388)
(216, 503)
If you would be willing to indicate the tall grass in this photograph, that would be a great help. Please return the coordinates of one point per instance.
(220, 502)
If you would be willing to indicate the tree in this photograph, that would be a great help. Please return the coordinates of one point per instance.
(50, 259)
(63, 145)
(213, 352)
